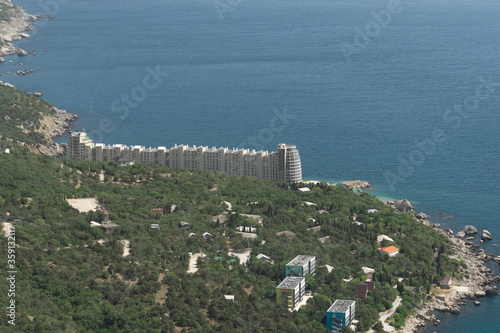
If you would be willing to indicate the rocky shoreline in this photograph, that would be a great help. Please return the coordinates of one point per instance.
(477, 277)
(14, 29)
(54, 126)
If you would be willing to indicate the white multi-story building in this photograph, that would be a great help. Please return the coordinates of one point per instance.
(290, 291)
(301, 265)
(283, 165)
(341, 313)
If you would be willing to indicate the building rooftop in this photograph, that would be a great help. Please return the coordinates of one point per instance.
(290, 282)
(300, 260)
(389, 249)
(340, 305)
(445, 279)
(287, 233)
(109, 225)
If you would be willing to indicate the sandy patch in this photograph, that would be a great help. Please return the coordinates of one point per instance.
(126, 247)
(243, 256)
(84, 205)
(229, 205)
(329, 268)
(193, 267)
(5, 227)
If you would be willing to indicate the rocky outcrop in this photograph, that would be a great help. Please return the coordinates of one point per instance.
(57, 123)
(14, 29)
(55, 149)
(476, 276)
(355, 184)
(486, 236)
(403, 205)
(422, 216)
(469, 230)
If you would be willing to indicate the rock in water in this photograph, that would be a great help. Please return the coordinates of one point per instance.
(470, 229)
(403, 205)
(460, 234)
(486, 236)
(21, 52)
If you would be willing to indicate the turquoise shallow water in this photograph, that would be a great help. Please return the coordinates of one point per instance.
(403, 112)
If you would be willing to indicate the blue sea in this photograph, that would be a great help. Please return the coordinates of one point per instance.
(403, 94)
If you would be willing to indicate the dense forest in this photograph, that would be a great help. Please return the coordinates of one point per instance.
(72, 277)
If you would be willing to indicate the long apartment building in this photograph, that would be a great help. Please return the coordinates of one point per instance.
(283, 165)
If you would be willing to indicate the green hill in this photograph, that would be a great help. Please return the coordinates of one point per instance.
(72, 277)
(28, 123)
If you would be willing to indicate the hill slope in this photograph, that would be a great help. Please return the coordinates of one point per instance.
(30, 122)
(74, 278)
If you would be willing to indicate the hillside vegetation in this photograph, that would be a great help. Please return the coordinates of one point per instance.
(20, 117)
(74, 278)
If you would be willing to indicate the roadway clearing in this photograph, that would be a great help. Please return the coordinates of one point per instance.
(386, 314)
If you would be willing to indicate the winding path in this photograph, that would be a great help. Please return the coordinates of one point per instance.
(386, 314)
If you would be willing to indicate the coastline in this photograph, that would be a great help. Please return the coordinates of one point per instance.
(431, 307)
(15, 29)
(54, 126)
(53, 123)
(476, 282)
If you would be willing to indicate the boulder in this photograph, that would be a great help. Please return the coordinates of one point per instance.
(490, 291)
(486, 236)
(2, 59)
(403, 205)
(480, 293)
(422, 216)
(460, 234)
(448, 232)
(470, 229)
(21, 52)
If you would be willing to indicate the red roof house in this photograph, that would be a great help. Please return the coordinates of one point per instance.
(390, 250)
